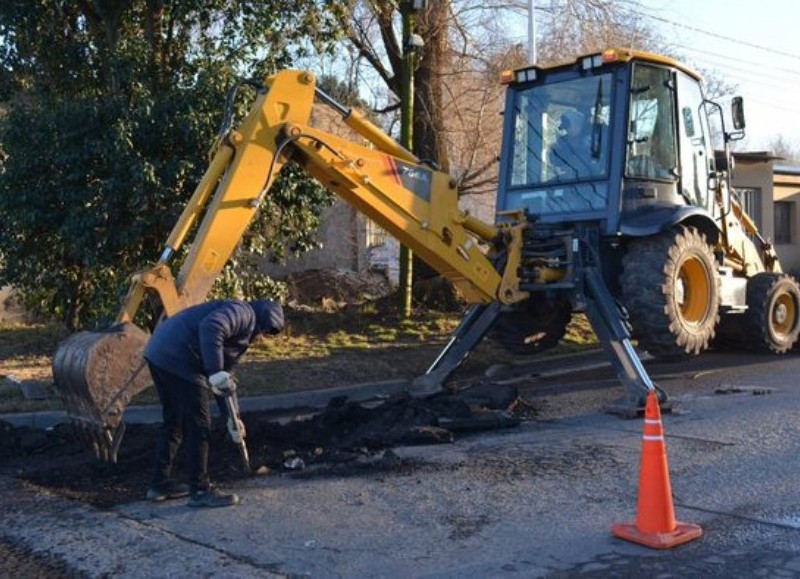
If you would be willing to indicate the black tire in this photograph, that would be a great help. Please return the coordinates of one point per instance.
(670, 288)
(773, 308)
(538, 326)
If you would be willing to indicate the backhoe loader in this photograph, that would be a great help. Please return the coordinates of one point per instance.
(611, 201)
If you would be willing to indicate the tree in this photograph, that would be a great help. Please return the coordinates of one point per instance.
(783, 147)
(574, 27)
(372, 28)
(112, 107)
(458, 98)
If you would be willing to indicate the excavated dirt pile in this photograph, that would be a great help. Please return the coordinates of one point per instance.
(331, 289)
(346, 437)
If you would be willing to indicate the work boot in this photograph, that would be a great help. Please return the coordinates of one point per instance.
(167, 490)
(212, 498)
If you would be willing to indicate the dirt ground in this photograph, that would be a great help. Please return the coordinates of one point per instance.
(345, 439)
(344, 435)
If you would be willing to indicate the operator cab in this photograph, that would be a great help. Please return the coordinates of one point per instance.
(620, 138)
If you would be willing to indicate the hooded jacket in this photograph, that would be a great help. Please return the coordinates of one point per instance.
(207, 338)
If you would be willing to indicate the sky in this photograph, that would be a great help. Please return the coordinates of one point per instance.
(753, 44)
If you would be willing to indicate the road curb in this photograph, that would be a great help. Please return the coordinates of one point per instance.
(314, 399)
(274, 402)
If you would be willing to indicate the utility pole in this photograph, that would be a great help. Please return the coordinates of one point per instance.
(411, 43)
(532, 31)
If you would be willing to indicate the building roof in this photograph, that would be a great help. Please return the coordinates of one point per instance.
(787, 169)
(755, 156)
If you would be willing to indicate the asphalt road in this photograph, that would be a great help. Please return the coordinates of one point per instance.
(534, 501)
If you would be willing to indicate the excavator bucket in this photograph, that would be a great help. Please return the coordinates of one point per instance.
(97, 374)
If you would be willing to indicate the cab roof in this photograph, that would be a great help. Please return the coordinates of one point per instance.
(610, 55)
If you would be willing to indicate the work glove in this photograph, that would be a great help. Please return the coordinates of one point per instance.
(222, 383)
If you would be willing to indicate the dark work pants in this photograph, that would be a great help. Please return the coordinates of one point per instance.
(186, 413)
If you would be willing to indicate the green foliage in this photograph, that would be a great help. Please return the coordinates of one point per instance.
(112, 108)
(342, 92)
(90, 187)
(285, 226)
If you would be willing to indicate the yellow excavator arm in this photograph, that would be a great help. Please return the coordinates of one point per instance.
(412, 201)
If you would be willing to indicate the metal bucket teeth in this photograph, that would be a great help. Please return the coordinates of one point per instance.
(102, 440)
(97, 374)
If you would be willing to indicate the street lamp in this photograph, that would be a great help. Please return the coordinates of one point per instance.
(412, 42)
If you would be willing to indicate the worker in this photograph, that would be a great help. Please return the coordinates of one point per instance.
(190, 356)
(571, 150)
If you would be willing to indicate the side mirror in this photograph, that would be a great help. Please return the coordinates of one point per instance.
(737, 113)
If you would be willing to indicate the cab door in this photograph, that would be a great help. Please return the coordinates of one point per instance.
(696, 155)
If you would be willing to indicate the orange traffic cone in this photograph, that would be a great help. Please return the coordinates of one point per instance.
(655, 524)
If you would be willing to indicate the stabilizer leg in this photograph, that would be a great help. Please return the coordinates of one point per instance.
(607, 322)
(470, 332)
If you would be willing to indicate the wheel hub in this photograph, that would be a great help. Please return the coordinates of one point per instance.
(783, 314)
(779, 314)
(680, 291)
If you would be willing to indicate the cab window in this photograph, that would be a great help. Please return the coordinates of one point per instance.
(651, 147)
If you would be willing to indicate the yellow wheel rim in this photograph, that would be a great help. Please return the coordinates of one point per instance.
(693, 290)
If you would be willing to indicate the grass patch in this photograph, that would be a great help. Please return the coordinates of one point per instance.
(25, 356)
(317, 350)
(22, 340)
